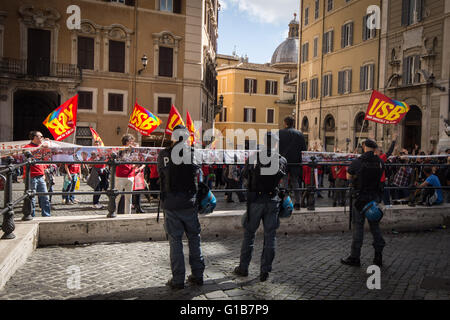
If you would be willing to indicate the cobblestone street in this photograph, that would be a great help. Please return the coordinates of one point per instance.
(305, 267)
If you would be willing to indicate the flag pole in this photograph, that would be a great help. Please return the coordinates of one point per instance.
(360, 134)
(163, 138)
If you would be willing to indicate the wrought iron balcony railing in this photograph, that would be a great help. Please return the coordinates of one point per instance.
(38, 68)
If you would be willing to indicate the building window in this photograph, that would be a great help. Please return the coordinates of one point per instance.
(347, 35)
(83, 136)
(115, 102)
(164, 105)
(316, 46)
(306, 16)
(223, 115)
(316, 9)
(328, 39)
(314, 88)
(271, 87)
(170, 6)
(305, 50)
(85, 99)
(366, 77)
(250, 85)
(412, 11)
(305, 124)
(165, 62)
(326, 86)
(303, 90)
(85, 56)
(330, 5)
(411, 65)
(368, 33)
(249, 114)
(270, 115)
(345, 81)
(116, 56)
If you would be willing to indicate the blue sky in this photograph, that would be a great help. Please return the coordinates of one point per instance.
(255, 27)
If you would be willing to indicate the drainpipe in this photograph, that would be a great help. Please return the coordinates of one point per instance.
(300, 21)
(321, 73)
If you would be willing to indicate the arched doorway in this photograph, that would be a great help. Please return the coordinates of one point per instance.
(330, 128)
(360, 132)
(412, 128)
(305, 129)
(30, 110)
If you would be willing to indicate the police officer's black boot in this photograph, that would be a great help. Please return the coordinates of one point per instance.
(194, 280)
(350, 261)
(263, 276)
(378, 259)
(238, 271)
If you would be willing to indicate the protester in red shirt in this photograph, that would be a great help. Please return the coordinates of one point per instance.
(154, 177)
(37, 176)
(125, 176)
(306, 171)
(341, 182)
(71, 177)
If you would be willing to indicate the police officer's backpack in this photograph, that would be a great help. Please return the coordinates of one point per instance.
(205, 199)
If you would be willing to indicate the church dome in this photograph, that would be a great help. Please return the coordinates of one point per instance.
(287, 51)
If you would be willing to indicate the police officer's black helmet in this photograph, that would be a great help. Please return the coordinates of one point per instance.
(181, 131)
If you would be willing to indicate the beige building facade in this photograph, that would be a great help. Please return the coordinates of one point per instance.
(415, 50)
(339, 61)
(155, 52)
(250, 100)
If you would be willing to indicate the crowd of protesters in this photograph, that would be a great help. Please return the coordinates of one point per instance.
(411, 178)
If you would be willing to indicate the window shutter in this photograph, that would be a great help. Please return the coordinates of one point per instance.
(420, 4)
(324, 43)
(245, 114)
(372, 76)
(343, 36)
(254, 85)
(246, 85)
(330, 84)
(332, 40)
(276, 87)
(176, 6)
(253, 115)
(351, 34)
(361, 79)
(340, 81)
(349, 81)
(307, 51)
(165, 62)
(405, 12)
(116, 56)
(416, 69)
(364, 27)
(267, 87)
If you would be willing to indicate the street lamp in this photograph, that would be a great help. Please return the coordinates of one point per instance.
(219, 107)
(144, 61)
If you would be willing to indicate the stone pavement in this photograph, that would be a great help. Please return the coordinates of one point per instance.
(305, 267)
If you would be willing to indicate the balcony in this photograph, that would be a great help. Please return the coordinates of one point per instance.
(22, 68)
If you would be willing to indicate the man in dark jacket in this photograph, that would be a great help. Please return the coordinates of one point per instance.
(263, 204)
(365, 173)
(178, 177)
(292, 143)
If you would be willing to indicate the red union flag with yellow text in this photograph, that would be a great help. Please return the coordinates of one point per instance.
(62, 122)
(385, 110)
(173, 120)
(143, 120)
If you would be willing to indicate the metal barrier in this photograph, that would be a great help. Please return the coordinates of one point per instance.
(8, 225)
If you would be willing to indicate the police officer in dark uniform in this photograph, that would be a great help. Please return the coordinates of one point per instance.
(178, 177)
(263, 204)
(365, 173)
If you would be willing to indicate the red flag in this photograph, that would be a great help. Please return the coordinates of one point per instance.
(173, 120)
(96, 137)
(62, 122)
(385, 110)
(190, 127)
(143, 120)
